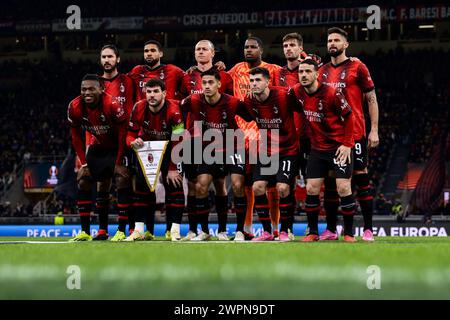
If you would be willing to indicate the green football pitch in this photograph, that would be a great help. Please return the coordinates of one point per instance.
(409, 268)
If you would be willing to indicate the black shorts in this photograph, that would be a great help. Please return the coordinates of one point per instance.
(234, 165)
(320, 162)
(360, 154)
(101, 162)
(190, 171)
(286, 173)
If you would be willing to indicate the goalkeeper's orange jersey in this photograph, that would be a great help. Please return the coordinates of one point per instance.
(241, 86)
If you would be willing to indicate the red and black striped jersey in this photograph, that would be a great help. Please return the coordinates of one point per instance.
(192, 83)
(122, 89)
(219, 117)
(275, 113)
(353, 77)
(329, 117)
(169, 73)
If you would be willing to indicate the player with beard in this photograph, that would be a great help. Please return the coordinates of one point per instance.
(153, 68)
(331, 122)
(122, 89)
(101, 156)
(154, 119)
(192, 84)
(353, 77)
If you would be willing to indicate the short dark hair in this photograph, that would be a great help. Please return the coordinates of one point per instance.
(112, 47)
(337, 30)
(91, 76)
(294, 36)
(260, 70)
(156, 82)
(211, 72)
(156, 43)
(258, 40)
(311, 62)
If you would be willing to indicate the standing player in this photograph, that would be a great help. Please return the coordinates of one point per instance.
(192, 84)
(153, 68)
(204, 55)
(122, 89)
(153, 119)
(101, 156)
(170, 74)
(331, 123)
(216, 111)
(287, 76)
(272, 110)
(253, 50)
(353, 77)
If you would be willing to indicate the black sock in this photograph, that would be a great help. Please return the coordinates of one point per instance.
(141, 206)
(174, 204)
(102, 206)
(240, 205)
(203, 209)
(123, 205)
(286, 213)
(132, 212)
(331, 203)
(262, 209)
(365, 198)
(192, 217)
(312, 208)
(84, 204)
(222, 212)
(150, 216)
(348, 211)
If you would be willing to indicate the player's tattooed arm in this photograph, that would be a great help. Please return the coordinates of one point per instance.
(372, 102)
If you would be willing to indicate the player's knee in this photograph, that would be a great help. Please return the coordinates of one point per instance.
(283, 190)
(104, 186)
(259, 188)
(201, 189)
(85, 184)
(122, 182)
(312, 189)
(344, 189)
(238, 188)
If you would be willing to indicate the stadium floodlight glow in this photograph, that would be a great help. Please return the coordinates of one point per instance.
(426, 26)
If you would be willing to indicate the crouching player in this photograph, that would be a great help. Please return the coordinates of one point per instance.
(101, 155)
(154, 119)
(330, 119)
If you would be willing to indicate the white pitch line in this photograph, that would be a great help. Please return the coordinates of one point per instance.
(34, 242)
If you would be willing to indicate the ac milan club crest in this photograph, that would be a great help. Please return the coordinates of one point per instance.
(150, 158)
